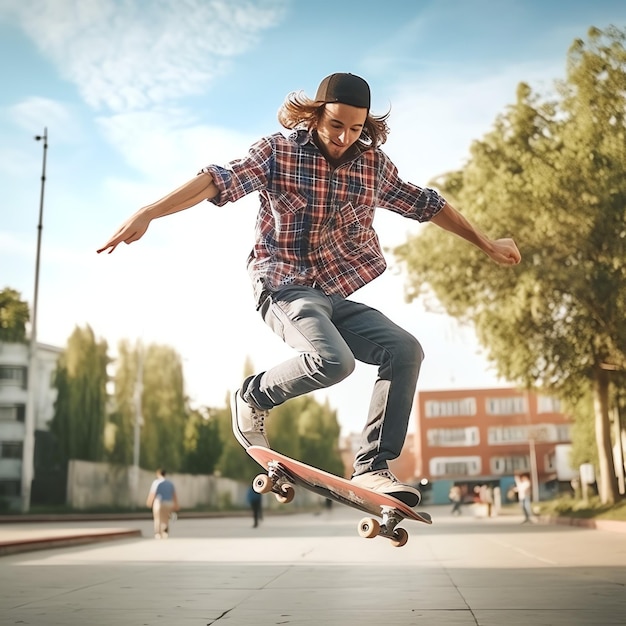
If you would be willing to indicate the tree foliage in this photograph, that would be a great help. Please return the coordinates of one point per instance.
(80, 408)
(164, 409)
(149, 386)
(121, 420)
(318, 431)
(550, 173)
(14, 315)
(203, 443)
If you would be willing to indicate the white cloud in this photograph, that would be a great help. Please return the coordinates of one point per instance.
(126, 56)
(166, 143)
(29, 113)
(439, 123)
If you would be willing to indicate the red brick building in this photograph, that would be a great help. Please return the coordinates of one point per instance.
(473, 437)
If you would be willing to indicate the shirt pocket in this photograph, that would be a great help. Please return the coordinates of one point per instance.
(288, 203)
(350, 233)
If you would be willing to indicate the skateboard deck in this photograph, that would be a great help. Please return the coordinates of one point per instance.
(285, 473)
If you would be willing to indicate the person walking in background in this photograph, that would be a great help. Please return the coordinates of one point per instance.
(523, 487)
(163, 500)
(456, 497)
(256, 504)
(486, 497)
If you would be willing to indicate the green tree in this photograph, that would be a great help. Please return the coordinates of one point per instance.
(306, 430)
(551, 172)
(80, 408)
(153, 377)
(584, 449)
(121, 421)
(203, 443)
(164, 409)
(14, 315)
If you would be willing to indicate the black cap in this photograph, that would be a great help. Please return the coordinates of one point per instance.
(344, 88)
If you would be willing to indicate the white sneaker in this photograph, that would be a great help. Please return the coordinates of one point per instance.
(248, 422)
(385, 482)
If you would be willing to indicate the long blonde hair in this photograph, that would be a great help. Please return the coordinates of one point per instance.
(298, 110)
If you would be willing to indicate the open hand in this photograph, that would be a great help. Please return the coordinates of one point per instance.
(132, 230)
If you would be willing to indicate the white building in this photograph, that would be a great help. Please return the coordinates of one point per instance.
(13, 399)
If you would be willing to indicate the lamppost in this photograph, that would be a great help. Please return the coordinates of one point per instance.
(138, 423)
(28, 449)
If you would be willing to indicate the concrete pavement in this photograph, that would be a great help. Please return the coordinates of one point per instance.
(314, 569)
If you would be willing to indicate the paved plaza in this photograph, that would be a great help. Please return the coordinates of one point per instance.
(314, 569)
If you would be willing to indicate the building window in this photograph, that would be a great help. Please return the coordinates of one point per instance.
(507, 434)
(550, 462)
(12, 413)
(546, 404)
(506, 406)
(549, 432)
(509, 464)
(453, 436)
(455, 466)
(11, 449)
(563, 432)
(13, 376)
(451, 408)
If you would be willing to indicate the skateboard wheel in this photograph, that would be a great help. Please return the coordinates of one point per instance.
(262, 484)
(287, 493)
(400, 537)
(369, 527)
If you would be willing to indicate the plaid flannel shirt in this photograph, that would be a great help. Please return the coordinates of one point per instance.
(314, 225)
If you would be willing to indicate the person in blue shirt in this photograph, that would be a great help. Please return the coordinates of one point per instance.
(256, 504)
(163, 500)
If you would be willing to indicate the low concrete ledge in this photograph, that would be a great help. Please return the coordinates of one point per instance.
(62, 538)
(615, 526)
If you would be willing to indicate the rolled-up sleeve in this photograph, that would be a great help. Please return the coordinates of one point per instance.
(243, 176)
(407, 199)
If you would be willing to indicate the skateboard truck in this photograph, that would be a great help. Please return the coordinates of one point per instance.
(276, 480)
(370, 527)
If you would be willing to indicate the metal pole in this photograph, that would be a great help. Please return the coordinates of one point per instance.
(533, 469)
(619, 452)
(532, 451)
(28, 450)
(137, 426)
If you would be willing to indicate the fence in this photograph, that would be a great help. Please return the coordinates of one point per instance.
(102, 485)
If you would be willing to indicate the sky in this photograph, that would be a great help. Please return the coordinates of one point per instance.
(138, 95)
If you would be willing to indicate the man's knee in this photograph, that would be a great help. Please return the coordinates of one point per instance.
(408, 350)
(332, 368)
(338, 370)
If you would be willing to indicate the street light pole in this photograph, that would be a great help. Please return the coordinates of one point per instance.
(137, 427)
(28, 449)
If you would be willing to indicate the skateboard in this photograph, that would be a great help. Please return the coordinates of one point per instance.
(284, 474)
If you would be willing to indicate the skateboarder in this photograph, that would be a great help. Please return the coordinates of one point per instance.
(314, 246)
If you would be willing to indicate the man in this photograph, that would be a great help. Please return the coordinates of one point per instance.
(314, 246)
(163, 500)
(255, 500)
(523, 486)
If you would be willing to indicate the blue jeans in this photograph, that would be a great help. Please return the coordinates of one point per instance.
(330, 333)
(525, 503)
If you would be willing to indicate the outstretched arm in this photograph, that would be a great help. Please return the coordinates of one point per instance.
(197, 189)
(503, 251)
